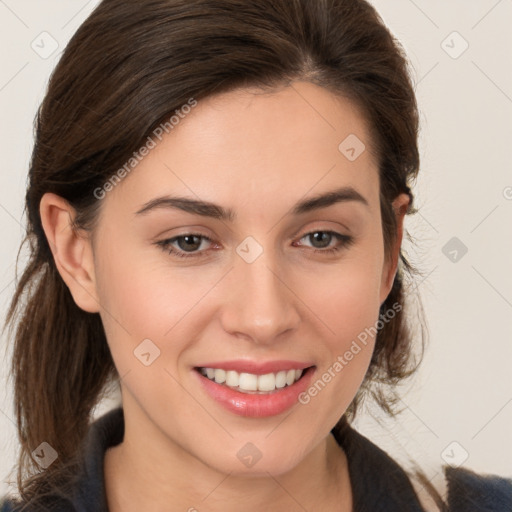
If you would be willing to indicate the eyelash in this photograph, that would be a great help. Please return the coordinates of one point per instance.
(345, 241)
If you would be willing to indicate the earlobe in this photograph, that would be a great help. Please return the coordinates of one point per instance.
(72, 251)
(400, 207)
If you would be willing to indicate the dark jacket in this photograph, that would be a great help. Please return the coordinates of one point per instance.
(378, 482)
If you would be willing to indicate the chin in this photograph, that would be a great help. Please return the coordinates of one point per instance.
(246, 458)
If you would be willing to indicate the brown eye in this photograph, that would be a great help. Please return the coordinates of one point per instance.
(321, 243)
(184, 246)
(324, 239)
(190, 242)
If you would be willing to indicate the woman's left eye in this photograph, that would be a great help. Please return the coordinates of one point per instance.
(186, 246)
(343, 240)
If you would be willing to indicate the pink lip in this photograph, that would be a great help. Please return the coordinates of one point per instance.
(256, 405)
(245, 366)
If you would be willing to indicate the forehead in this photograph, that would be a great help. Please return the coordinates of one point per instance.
(247, 144)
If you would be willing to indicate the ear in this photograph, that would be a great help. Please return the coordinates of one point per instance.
(71, 249)
(400, 206)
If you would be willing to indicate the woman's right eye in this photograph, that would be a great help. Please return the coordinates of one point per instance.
(192, 240)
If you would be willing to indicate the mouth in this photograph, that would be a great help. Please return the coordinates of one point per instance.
(255, 395)
(252, 383)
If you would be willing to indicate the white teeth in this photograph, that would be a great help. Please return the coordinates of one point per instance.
(220, 376)
(280, 379)
(232, 378)
(247, 382)
(267, 382)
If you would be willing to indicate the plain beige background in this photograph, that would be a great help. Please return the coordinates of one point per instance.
(458, 409)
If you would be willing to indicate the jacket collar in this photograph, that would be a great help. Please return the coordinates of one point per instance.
(378, 482)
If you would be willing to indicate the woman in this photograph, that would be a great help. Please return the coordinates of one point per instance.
(215, 210)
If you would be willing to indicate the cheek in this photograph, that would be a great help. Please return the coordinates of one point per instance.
(131, 299)
(347, 301)
(143, 301)
(144, 298)
(351, 314)
(347, 309)
(135, 289)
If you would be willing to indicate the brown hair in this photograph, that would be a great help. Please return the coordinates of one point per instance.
(131, 64)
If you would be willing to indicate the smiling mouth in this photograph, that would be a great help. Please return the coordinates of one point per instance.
(251, 383)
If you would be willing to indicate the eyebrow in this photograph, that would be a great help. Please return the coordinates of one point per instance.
(208, 209)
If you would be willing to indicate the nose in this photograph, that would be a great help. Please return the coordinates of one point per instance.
(261, 305)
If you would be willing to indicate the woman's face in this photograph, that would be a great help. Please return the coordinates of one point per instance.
(262, 286)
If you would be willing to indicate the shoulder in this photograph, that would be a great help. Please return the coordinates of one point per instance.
(467, 490)
(82, 485)
(7, 504)
(379, 483)
(54, 504)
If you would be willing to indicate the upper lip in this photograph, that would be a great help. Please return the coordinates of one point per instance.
(256, 367)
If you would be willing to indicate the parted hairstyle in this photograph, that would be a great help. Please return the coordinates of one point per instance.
(126, 69)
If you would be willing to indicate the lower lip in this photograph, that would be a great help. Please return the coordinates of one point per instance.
(257, 405)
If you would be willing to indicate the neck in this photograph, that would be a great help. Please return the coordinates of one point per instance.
(144, 475)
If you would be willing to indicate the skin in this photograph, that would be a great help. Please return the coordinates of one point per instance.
(257, 154)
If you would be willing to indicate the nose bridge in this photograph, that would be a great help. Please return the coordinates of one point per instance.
(261, 306)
